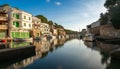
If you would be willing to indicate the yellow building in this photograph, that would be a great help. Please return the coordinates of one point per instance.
(36, 27)
(3, 25)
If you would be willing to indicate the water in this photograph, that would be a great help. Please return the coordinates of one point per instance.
(65, 54)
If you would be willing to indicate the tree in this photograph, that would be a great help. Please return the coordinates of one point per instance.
(115, 16)
(4, 5)
(109, 3)
(113, 7)
(104, 18)
(58, 26)
(50, 22)
(43, 18)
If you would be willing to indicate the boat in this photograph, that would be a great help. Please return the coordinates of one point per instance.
(89, 37)
(23, 39)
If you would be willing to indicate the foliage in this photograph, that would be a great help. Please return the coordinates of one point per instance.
(115, 16)
(109, 3)
(50, 22)
(58, 26)
(113, 7)
(43, 19)
(4, 5)
(70, 31)
(104, 18)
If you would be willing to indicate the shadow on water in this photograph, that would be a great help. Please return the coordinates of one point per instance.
(41, 50)
(11, 53)
(110, 53)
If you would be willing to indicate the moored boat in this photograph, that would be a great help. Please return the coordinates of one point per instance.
(89, 37)
(23, 39)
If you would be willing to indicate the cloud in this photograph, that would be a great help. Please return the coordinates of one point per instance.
(48, 0)
(58, 3)
(86, 15)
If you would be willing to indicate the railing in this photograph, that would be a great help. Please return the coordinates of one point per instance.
(3, 18)
(3, 27)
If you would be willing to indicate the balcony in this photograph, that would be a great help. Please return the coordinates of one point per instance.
(3, 18)
(3, 27)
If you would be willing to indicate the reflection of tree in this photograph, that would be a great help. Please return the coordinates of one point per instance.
(105, 57)
(114, 64)
(44, 55)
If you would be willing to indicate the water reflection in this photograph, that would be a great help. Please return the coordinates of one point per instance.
(56, 54)
(42, 48)
(14, 45)
(106, 51)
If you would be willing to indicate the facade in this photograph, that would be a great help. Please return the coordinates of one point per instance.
(95, 24)
(45, 29)
(20, 23)
(61, 32)
(36, 27)
(3, 24)
(83, 32)
(55, 32)
(94, 28)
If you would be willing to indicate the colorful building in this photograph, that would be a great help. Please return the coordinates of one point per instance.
(3, 24)
(20, 22)
(36, 27)
(45, 29)
(94, 28)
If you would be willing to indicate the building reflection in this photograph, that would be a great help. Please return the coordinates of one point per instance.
(42, 48)
(106, 50)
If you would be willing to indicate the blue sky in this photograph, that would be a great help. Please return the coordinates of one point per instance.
(72, 14)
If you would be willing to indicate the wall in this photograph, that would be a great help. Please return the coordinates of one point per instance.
(95, 24)
(109, 31)
(95, 30)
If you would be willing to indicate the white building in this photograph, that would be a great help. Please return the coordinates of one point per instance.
(45, 29)
(95, 24)
(20, 23)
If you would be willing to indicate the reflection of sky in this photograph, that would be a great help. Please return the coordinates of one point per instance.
(70, 56)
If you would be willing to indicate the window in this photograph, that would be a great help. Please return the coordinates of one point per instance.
(13, 15)
(16, 16)
(16, 24)
(29, 25)
(13, 23)
(24, 17)
(2, 34)
(29, 18)
(24, 24)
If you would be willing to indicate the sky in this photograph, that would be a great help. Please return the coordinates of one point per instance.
(71, 14)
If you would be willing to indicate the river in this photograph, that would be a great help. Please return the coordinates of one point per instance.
(64, 54)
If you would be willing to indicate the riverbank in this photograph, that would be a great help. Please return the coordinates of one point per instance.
(108, 39)
(16, 53)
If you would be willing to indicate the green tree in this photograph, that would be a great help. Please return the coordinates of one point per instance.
(109, 3)
(50, 22)
(58, 26)
(113, 7)
(115, 16)
(104, 18)
(4, 5)
(43, 18)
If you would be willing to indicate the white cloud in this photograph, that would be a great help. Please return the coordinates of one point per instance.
(86, 15)
(58, 3)
(48, 0)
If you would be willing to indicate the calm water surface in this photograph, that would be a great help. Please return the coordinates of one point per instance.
(65, 54)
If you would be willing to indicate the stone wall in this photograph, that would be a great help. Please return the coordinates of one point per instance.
(109, 31)
(95, 30)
